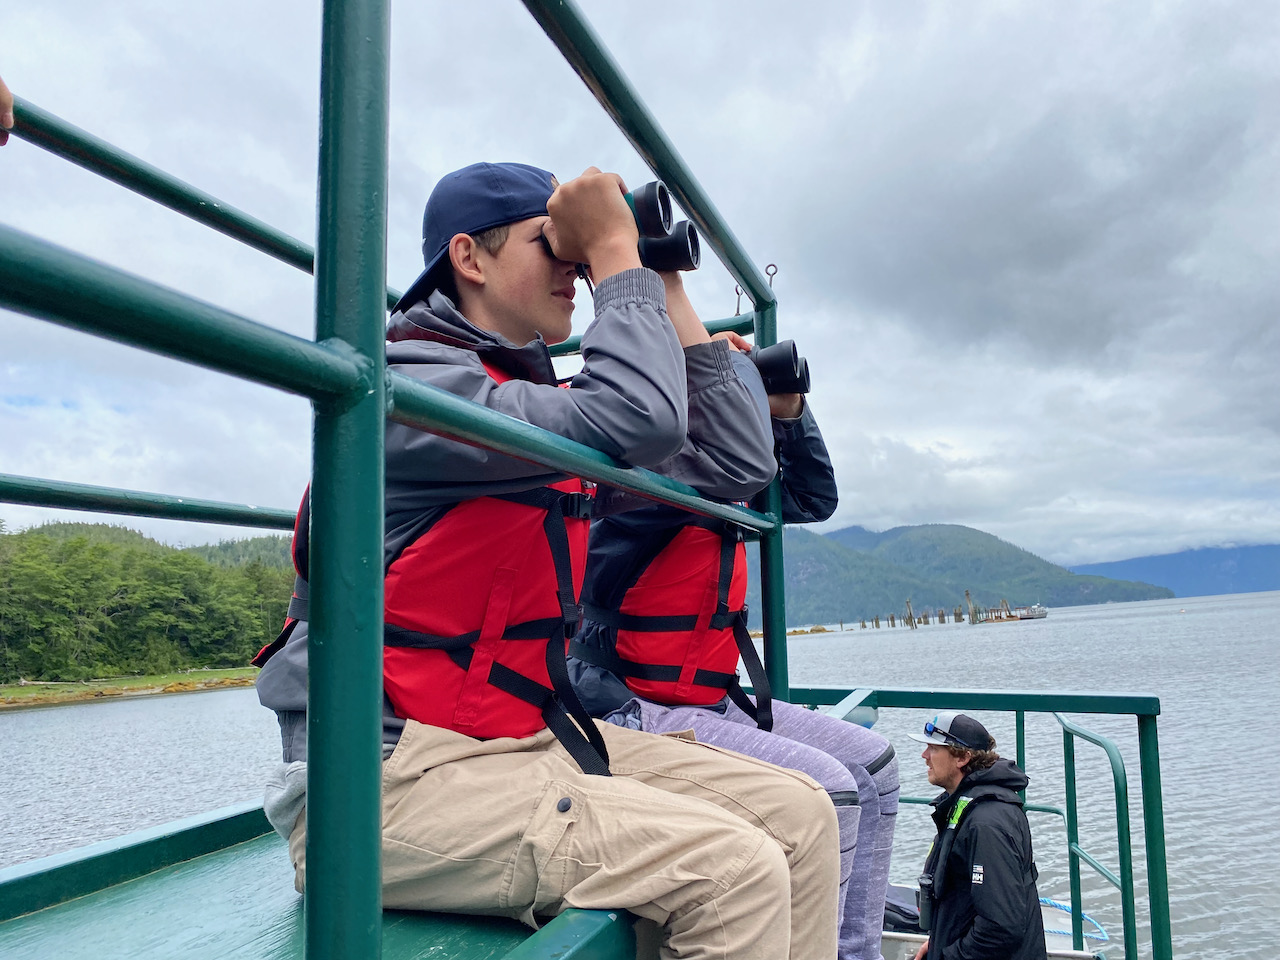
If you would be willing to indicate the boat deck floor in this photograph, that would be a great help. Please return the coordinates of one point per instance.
(238, 903)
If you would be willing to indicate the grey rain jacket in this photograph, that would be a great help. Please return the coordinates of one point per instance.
(629, 400)
(729, 429)
(988, 907)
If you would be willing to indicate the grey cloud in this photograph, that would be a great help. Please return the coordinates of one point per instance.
(1029, 250)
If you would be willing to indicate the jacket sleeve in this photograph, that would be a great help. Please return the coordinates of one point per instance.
(728, 451)
(808, 481)
(997, 876)
(629, 400)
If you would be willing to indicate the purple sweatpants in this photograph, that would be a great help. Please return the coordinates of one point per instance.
(848, 760)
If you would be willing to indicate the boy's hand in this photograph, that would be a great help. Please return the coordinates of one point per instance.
(6, 114)
(786, 406)
(592, 224)
(736, 341)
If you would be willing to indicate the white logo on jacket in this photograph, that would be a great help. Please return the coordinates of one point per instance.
(977, 873)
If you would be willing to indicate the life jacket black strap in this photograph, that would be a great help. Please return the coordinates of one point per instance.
(581, 739)
(397, 636)
(762, 710)
(558, 506)
(640, 623)
(637, 622)
(587, 750)
(660, 673)
(298, 602)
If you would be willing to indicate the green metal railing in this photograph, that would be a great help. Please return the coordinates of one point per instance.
(1143, 708)
(1076, 853)
(343, 373)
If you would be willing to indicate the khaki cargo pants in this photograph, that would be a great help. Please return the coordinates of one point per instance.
(736, 859)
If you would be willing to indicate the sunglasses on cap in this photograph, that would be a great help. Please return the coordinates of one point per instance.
(930, 728)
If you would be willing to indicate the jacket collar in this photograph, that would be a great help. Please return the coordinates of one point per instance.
(438, 320)
(1001, 781)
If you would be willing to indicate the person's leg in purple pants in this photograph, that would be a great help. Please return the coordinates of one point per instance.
(844, 785)
(871, 760)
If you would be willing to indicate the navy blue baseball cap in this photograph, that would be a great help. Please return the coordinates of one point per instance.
(472, 200)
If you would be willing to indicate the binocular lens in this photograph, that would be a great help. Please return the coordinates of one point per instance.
(680, 251)
(651, 206)
(782, 368)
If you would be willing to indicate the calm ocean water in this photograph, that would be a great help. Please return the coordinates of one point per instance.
(77, 774)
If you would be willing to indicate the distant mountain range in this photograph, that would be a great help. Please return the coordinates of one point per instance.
(1200, 573)
(853, 573)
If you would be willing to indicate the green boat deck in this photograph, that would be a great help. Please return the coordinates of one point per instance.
(129, 899)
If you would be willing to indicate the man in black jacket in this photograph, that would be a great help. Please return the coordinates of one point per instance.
(978, 897)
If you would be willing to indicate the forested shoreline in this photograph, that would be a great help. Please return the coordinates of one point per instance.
(81, 601)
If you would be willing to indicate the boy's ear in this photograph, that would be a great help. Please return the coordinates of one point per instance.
(464, 256)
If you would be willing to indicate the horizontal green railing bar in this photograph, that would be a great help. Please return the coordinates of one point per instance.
(82, 496)
(1033, 701)
(65, 140)
(36, 884)
(743, 324)
(43, 280)
(581, 47)
(580, 935)
(46, 281)
(417, 404)
(1088, 858)
(1029, 807)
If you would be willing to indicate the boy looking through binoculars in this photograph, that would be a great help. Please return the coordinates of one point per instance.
(487, 805)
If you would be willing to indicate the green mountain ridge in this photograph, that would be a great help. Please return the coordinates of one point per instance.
(83, 600)
(854, 574)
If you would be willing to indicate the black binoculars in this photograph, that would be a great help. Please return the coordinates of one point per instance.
(663, 246)
(782, 368)
(924, 901)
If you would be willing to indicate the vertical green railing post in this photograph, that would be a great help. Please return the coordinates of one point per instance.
(773, 600)
(1073, 839)
(344, 717)
(1124, 845)
(1153, 832)
(1020, 725)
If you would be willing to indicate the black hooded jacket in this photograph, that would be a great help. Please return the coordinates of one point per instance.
(986, 905)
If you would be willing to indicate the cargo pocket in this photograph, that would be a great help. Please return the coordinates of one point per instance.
(543, 871)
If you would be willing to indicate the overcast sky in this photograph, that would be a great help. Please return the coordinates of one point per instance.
(1031, 250)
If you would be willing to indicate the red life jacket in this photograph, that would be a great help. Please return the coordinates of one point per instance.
(682, 624)
(478, 609)
(298, 602)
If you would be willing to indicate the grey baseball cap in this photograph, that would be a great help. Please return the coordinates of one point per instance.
(955, 729)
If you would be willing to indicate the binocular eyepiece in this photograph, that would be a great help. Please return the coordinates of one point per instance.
(663, 246)
(782, 368)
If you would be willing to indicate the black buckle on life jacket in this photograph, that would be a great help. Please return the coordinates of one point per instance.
(577, 506)
(570, 616)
